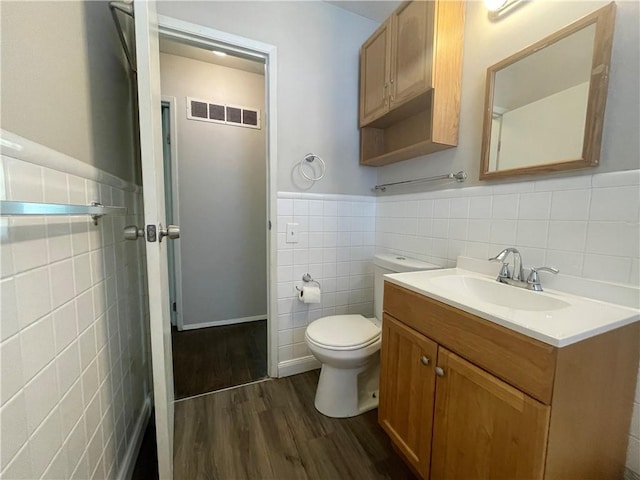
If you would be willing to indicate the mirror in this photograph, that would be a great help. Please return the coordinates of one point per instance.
(544, 106)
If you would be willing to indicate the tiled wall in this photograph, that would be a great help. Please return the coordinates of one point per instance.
(336, 245)
(73, 343)
(586, 226)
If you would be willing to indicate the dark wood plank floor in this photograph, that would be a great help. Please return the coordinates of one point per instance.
(213, 358)
(271, 430)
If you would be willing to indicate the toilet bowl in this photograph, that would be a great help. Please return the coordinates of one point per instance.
(348, 346)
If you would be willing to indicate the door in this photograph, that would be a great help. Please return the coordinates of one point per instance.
(149, 103)
(374, 75)
(412, 48)
(407, 384)
(484, 428)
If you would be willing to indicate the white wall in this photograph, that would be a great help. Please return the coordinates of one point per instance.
(318, 46)
(488, 42)
(222, 195)
(74, 358)
(336, 243)
(66, 83)
(559, 119)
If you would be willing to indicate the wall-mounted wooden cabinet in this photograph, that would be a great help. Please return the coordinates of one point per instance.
(462, 397)
(410, 77)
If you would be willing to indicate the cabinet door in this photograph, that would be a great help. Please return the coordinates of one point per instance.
(411, 60)
(484, 428)
(407, 382)
(374, 75)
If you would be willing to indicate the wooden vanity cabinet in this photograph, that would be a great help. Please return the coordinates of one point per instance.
(410, 78)
(493, 403)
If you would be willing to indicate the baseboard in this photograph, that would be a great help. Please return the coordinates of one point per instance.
(220, 323)
(297, 365)
(129, 462)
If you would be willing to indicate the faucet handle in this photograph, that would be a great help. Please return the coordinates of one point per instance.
(504, 271)
(533, 280)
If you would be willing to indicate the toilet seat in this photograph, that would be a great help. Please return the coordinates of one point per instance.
(343, 332)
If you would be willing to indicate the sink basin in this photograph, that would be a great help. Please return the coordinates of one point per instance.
(553, 317)
(491, 291)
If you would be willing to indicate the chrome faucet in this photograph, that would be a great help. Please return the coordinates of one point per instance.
(518, 272)
(516, 277)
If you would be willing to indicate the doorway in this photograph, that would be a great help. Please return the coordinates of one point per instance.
(216, 188)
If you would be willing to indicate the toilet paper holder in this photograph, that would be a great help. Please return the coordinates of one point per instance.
(306, 278)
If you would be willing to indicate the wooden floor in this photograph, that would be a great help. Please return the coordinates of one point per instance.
(209, 359)
(271, 430)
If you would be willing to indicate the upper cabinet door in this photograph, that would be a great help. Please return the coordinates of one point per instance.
(374, 75)
(407, 385)
(412, 46)
(483, 427)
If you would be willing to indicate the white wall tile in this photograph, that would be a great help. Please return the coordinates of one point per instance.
(55, 186)
(25, 181)
(58, 238)
(505, 207)
(480, 207)
(37, 346)
(534, 206)
(28, 242)
(68, 367)
(613, 238)
(615, 204)
(532, 233)
(8, 309)
(570, 205)
(14, 434)
(503, 232)
(62, 282)
(41, 396)
(569, 236)
(606, 268)
(45, 443)
(11, 380)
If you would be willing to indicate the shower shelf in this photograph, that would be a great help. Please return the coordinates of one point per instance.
(95, 210)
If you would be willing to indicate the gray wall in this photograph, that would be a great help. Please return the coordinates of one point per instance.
(487, 43)
(222, 194)
(66, 83)
(318, 48)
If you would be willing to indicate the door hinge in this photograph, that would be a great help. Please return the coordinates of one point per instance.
(174, 307)
(269, 224)
(168, 139)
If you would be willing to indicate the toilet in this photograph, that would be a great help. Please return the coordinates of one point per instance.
(348, 346)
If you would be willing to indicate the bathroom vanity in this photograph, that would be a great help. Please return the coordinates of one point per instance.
(473, 389)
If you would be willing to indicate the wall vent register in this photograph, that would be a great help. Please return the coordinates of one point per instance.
(206, 111)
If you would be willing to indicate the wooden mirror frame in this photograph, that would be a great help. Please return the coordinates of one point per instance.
(603, 19)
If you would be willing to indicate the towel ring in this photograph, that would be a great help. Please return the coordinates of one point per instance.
(310, 158)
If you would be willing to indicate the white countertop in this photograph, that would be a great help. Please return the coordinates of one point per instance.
(580, 319)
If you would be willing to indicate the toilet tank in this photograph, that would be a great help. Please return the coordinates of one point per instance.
(391, 263)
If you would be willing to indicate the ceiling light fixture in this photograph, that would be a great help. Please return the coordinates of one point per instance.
(501, 8)
(219, 53)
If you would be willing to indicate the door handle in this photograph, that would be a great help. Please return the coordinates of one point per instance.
(172, 231)
(132, 232)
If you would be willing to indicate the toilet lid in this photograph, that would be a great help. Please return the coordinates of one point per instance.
(342, 331)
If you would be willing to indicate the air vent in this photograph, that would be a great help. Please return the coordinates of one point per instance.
(216, 112)
(198, 109)
(234, 115)
(207, 111)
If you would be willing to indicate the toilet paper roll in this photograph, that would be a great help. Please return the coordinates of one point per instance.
(309, 294)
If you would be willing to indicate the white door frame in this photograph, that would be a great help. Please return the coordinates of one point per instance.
(209, 37)
(175, 201)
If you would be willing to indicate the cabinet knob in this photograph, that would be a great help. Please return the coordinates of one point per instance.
(439, 371)
(424, 360)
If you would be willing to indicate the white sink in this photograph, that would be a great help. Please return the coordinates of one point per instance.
(553, 317)
(491, 291)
